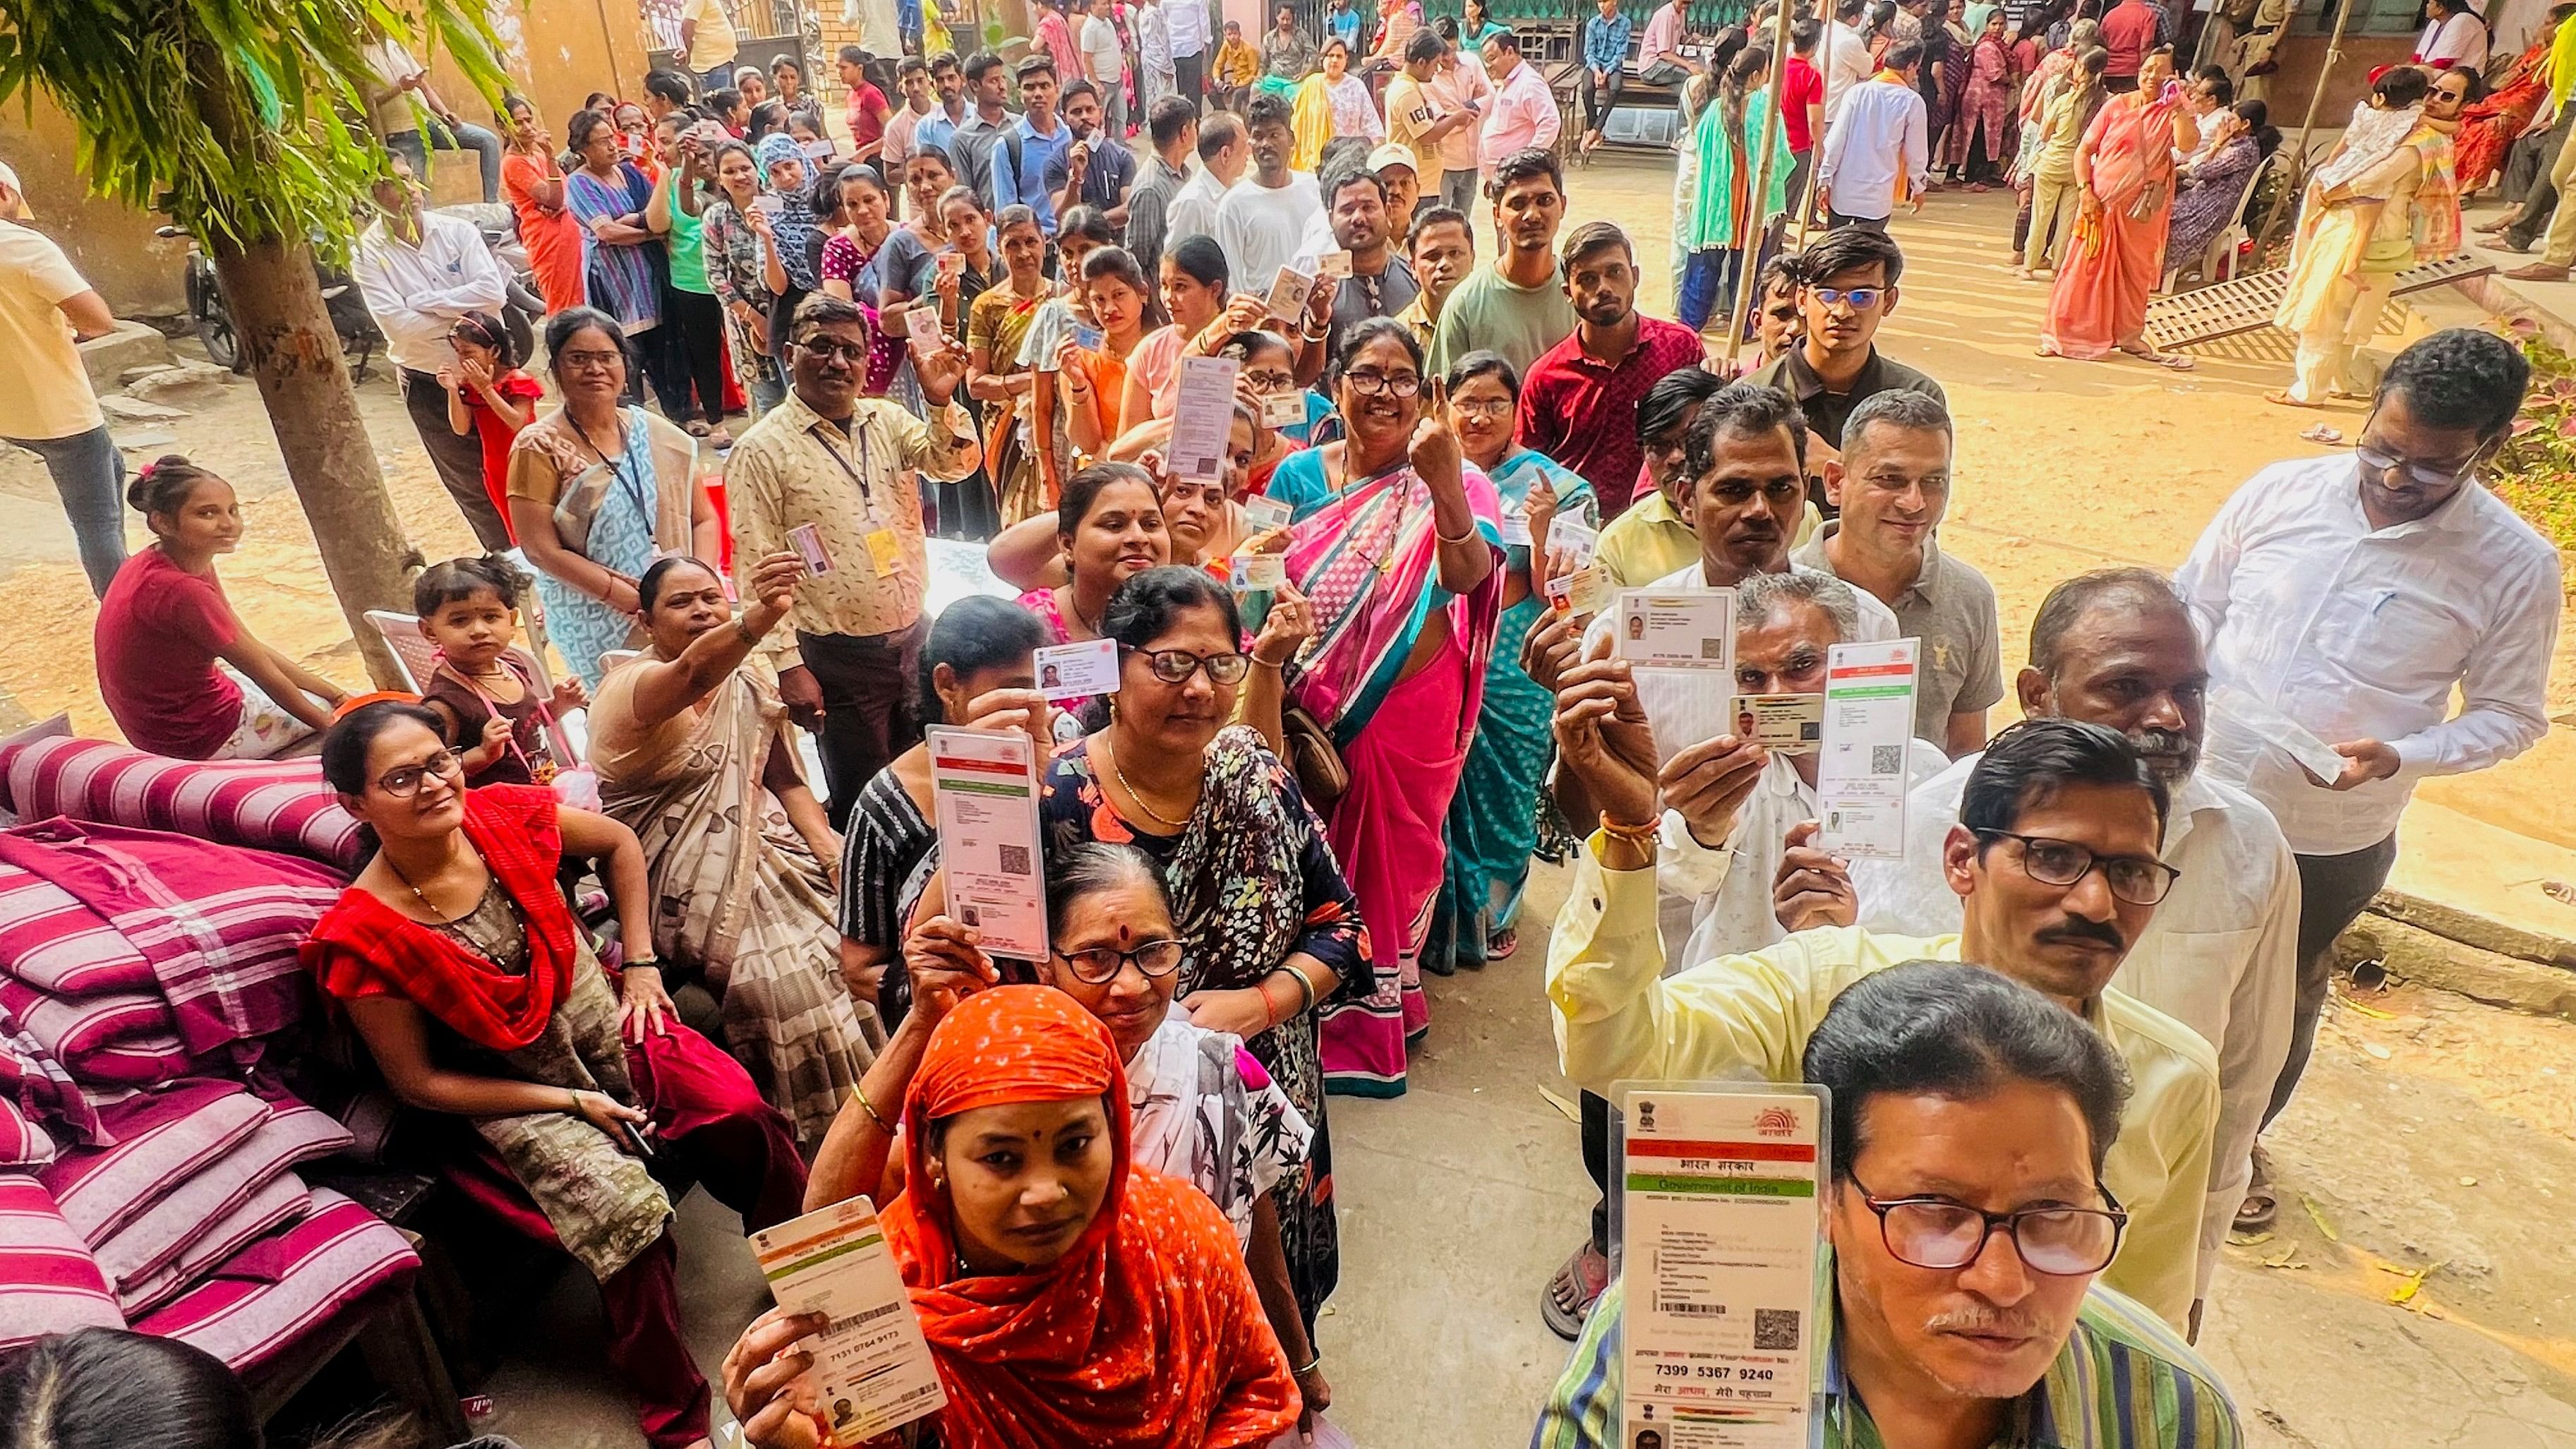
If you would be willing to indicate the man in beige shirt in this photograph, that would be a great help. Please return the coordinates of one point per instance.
(837, 462)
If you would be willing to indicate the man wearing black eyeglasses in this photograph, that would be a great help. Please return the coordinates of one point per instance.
(844, 465)
(1974, 1137)
(1846, 290)
(2351, 596)
(2055, 860)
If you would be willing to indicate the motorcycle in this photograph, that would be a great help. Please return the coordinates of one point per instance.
(211, 316)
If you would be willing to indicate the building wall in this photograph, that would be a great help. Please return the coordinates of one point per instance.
(557, 51)
(2302, 56)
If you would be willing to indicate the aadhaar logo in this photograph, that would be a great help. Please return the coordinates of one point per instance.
(1776, 1122)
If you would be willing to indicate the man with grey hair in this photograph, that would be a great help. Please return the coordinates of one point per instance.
(1729, 805)
(1892, 485)
(2116, 648)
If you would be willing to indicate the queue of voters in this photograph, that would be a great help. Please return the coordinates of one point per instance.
(1028, 598)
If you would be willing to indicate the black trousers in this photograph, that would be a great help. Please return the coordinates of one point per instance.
(1596, 1161)
(871, 710)
(1598, 102)
(458, 457)
(2333, 889)
(1188, 78)
(1835, 218)
(2539, 193)
(694, 326)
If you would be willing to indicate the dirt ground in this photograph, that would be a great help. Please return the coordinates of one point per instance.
(2418, 1288)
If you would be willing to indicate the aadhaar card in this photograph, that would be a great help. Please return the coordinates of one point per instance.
(1282, 409)
(984, 787)
(872, 1367)
(1861, 774)
(1265, 513)
(1581, 593)
(1694, 629)
(1779, 721)
(1333, 264)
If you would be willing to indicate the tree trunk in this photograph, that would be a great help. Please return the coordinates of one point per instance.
(294, 355)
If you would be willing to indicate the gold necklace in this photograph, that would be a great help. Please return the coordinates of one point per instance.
(1132, 793)
(426, 904)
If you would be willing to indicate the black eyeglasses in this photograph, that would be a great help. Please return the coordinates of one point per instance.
(826, 349)
(1936, 1233)
(1100, 965)
(404, 782)
(1175, 666)
(2423, 475)
(1370, 384)
(2139, 881)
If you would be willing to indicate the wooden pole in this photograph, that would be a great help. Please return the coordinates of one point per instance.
(1753, 199)
(1825, 68)
(2299, 149)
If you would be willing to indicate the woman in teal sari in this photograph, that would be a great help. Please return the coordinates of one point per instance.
(1725, 222)
(1493, 818)
(1399, 556)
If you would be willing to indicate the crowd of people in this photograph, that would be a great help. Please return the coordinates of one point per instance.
(2069, 1009)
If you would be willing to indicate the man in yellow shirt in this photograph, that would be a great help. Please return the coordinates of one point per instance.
(46, 405)
(708, 43)
(2055, 861)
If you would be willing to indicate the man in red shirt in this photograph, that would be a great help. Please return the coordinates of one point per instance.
(1579, 402)
(2133, 28)
(1802, 95)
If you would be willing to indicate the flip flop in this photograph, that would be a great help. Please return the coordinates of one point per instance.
(2261, 1205)
(1502, 945)
(2325, 433)
(1572, 1292)
(2287, 401)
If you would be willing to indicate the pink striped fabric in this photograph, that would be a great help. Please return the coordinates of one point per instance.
(285, 1286)
(219, 925)
(47, 1282)
(72, 1027)
(31, 1077)
(266, 805)
(161, 1139)
(55, 944)
(176, 1219)
(22, 1142)
(283, 1201)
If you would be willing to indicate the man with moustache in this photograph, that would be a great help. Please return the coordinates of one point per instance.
(1579, 399)
(2055, 861)
(2116, 648)
(1961, 1103)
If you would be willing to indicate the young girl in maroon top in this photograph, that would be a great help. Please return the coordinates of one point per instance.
(489, 396)
(485, 692)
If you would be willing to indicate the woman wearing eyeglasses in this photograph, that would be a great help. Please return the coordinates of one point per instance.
(693, 751)
(1205, 1112)
(1272, 926)
(477, 993)
(598, 491)
(1397, 671)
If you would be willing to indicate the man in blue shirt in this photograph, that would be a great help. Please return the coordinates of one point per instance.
(1605, 68)
(1343, 19)
(1094, 170)
(1039, 141)
(939, 128)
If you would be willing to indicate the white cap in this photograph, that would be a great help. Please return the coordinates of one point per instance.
(15, 207)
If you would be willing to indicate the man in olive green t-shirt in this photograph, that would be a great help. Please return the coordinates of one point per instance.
(1516, 307)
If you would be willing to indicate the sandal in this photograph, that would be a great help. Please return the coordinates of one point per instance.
(697, 427)
(2173, 360)
(2261, 1206)
(719, 438)
(1502, 945)
(2287, 401)
(2325, 433)
(1572, 1292)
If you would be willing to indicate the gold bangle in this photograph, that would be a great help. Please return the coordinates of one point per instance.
(861, 1091)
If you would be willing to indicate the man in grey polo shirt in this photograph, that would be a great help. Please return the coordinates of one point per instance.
(1892, 485)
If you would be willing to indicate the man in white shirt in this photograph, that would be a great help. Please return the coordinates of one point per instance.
(1103, 61)
(1262, 223)
(46, 405)
(420, 271)
(1224, 155)
(1877, 149)
(2206, 97)
(1844, 53)
(2352, 595)
(2116, 648)
(1185, 23)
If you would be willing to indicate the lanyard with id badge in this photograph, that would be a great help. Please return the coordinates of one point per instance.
(885, 548)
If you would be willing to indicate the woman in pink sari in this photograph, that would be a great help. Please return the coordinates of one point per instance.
(2125, 172)
(1400, 563)
(1983, 137)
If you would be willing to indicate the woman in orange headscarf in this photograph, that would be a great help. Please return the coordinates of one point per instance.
(1069, 1298)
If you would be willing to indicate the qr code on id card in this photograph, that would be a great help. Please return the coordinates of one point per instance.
(1886, 759)
(1775, 1329)
(1015, 859)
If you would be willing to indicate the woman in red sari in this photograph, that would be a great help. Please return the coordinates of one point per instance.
(462, 969)
(2490, 125)
(1070, 1298)
(2125, 172)
(534, 184)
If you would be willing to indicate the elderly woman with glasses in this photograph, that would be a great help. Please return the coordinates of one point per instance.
(598, 491)
(1205, 1111)
(476, 991)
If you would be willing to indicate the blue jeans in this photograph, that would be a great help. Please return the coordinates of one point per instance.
(1708, 283)
(466, 137)
(90, 475)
